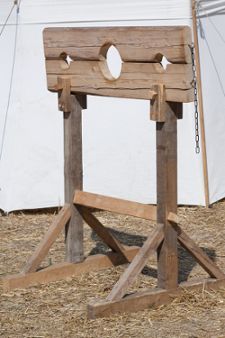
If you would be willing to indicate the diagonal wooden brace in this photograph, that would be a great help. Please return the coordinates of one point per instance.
(104, 233)
(201, 257)
(50, 237)
(150, 246)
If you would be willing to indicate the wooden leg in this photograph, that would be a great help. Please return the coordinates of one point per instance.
(150, 246)
(73, 178)
(166, 136)
(51, 235)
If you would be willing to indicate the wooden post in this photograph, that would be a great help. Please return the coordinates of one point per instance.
(166, 137)
(200, 105)
(73, 175)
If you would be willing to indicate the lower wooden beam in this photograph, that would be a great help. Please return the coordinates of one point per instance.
(63, 270)
(149, 299)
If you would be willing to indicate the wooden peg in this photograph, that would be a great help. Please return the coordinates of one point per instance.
(64, 100)
(158, 104)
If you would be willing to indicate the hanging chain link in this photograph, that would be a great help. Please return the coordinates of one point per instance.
(197, 137)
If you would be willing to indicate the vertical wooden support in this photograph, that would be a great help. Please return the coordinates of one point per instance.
(166, 137)
(73, 176)
(200, 105)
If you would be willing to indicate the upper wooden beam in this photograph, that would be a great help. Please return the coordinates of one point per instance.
(135, 44)
(115, 205)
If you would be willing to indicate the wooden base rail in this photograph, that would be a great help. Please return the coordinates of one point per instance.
(63, 270)
(149, 299)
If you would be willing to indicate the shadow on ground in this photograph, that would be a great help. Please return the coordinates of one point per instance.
(186, 261)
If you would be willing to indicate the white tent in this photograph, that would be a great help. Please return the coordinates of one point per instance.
(119, 158)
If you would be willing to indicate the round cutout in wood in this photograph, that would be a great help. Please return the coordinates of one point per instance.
(111, 62)
(66, 60)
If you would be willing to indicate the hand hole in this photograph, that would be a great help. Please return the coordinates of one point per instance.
(164, 62)
(66, 60)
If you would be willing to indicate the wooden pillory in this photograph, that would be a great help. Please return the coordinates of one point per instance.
(142, 77)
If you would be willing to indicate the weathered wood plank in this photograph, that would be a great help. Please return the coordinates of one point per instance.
(166, 136)
(93, 76)
(177, 95)
(137, 44)
(73, 178)
(64, 270)
(136, 266)
(201, 257)
(51, 235)
(158, 104)
(149, 299)
(115, 205)
(104, 233)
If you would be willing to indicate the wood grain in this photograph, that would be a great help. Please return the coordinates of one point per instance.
(73, 178)
(116, 205)
(136, 44)
(201, 257)
(50, 237)
(64, 270)
(149, 299)
(104, 233)
(166, 139)
(136, 266)
(92, 77)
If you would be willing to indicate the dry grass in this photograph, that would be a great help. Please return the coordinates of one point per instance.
(59, 309)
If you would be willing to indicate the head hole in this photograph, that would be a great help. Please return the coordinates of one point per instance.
(111, 62)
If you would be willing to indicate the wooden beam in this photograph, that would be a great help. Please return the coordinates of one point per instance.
(63, 270)
(136, 266)
(206, 263)
(94, 77)
(149, 299)
(200, 105)
(73, 177)
(115, 205)
(166, 139)
(135, 44)
(104, 233)
(158, 104)
(172, 217)
(51, 235)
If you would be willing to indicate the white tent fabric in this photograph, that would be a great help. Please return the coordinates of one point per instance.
(118, 136)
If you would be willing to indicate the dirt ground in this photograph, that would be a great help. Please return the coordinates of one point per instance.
(59, 309)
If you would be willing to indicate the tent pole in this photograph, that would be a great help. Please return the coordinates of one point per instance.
(200, 101)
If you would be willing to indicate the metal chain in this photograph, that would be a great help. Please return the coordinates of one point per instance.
(197, 137)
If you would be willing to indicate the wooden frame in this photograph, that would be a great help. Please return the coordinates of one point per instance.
(142, 77)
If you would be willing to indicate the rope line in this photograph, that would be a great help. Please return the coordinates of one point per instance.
(210, 51)
(10, 85)
(5, 23)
